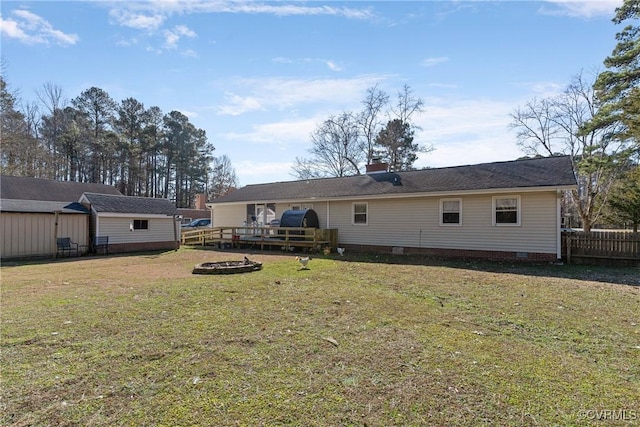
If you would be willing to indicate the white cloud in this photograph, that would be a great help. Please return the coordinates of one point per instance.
(150, 15)
(190, 114)
(431, 62)
(172, 37)
(546, 89)
(282, 60)
(281, 133)
(466, 131)
(29, 28)
(582, 8)
(261, 172)
(10, 28)
(138, 21)
(280, 9)
(330, 63)
(333, 66)
(190, 53)
(444, 85)
(237, 105)
(276, 93)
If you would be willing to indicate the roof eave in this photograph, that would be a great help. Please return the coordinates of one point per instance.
(133, 215)
(213, 204)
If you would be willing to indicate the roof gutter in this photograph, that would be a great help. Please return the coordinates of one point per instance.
(559, 188)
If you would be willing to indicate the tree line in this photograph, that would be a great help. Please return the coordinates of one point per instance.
(92, 138)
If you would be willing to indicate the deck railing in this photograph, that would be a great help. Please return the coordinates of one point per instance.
(285, 237)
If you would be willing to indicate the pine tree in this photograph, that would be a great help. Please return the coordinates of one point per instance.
(624, 202)
(396, 147)
(618, 88)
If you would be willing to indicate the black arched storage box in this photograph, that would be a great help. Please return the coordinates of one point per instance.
(307, 218)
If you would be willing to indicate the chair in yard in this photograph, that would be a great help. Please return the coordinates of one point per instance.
(66, 246)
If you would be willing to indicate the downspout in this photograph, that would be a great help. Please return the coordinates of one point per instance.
(176, 242)
(558, 224)
(93, 231)
(328, 215)
(55, 233)
(88, 239)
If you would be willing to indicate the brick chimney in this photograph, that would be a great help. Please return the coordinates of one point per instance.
(201, 200)
(376, 166)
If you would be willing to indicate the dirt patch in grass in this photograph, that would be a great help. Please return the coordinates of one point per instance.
(355, 340)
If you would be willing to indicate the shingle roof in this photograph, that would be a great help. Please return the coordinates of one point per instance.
(35, 206)
(103, 203)
(26, 188)
(527, 173)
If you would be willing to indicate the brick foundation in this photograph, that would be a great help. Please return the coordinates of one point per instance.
(142, 247)
(457, 253)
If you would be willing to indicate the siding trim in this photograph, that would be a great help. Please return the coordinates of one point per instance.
(131, 215)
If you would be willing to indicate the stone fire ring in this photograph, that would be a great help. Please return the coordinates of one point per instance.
(227, 267)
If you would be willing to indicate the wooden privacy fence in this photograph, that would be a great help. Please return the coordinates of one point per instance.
(615, 246)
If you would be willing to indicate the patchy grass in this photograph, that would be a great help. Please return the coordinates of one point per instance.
(353, 341)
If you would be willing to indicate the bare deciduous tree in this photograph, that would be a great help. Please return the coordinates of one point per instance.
(223, 177)
(53, 103)
(370, 120)
(553, 126)
(336, 149)
(407, 105)
(535, 127)
(342, 144)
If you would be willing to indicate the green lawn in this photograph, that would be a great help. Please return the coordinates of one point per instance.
(353, 341)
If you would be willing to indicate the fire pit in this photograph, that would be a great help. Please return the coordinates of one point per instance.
(227, 267)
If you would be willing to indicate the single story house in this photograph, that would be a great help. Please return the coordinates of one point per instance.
(500, 210)
(133, 223)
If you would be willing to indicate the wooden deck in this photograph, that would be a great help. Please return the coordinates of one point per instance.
(285, 238)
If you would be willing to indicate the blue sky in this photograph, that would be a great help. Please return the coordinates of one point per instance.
(260, 76)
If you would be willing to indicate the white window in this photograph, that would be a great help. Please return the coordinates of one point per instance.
(450, 211)
(360, 213)
(506, 210)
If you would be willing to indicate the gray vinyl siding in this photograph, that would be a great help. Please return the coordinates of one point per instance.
(229, 216)
(415, 222)
(118, 229)
(33, 234)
